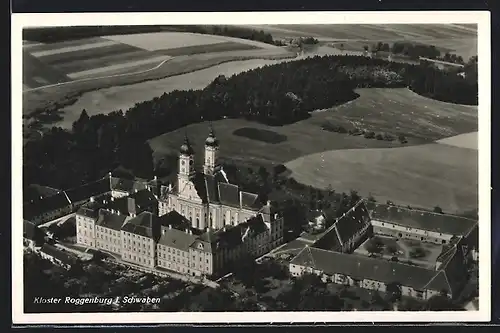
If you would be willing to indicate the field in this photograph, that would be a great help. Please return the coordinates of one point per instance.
(467, 140)
(458, 39)
(437, 174)
(55, 74)
(423, 176)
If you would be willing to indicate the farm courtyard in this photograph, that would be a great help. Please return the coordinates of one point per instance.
(405, 250)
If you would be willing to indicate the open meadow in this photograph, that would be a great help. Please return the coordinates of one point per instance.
(419, 173)
(421, 176)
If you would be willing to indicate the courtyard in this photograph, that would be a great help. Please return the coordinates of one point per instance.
(403, 250)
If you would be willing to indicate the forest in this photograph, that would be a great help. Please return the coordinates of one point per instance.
(275, 95)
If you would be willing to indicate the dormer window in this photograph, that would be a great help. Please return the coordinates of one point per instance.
(200, 246)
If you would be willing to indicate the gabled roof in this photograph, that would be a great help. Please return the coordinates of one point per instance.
(55, 253)
(250, 201)
(140, 201)
(414, 218)
(48, 204)
(361, 267)
(199, 185)
(229, 194)
(93, 189)
(36, 192)
(175, 238)
(353, 221)
(209, 241)
(145, 224)
(109, 220)
(126, 185)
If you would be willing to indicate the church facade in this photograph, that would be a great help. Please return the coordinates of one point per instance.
(207, 198)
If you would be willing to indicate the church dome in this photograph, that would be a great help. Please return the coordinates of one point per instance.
(211, 140)
(186, 148)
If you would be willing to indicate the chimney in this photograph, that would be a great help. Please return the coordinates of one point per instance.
(241, 199)
(269, 203)
(155, 178)
(170, 187)
(135, 190)
(187, 231)
(163, 231)
(109, 175)
(190, 232)
(117, 212)
(92, 199)
(131, 206)
(170, 226)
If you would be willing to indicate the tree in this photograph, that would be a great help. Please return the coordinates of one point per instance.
(438, 210)
(440, 303)
(417, 253)
(392, 249)
(393, 291)
(372, 246)
(81, 122)
(402, 139)
(369, 135)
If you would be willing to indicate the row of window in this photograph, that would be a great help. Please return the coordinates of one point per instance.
(137, 258)
(108, 247)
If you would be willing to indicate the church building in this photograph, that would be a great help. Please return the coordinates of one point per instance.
(207, 198)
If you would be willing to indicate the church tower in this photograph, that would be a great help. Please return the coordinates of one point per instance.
(211, 153)
(186, 165)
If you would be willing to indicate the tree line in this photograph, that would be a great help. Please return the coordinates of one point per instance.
(275, 95)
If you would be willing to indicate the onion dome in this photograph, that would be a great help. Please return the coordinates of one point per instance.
(186, 148)
(211, 140)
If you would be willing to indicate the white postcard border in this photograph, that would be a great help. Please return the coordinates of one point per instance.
(481, 18)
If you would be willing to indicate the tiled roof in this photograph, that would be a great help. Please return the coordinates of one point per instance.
(361, 267)
(87, 212)
(48, 204)
(250, 201)
(36, 192)
(111, 221)
(353, 221)
(442, 223)
(200, 186)
(145, 224)
(141, 201)
(178, 239)
(209, 241)
(212, 188)
(88, 190)
(229, 194)
(57, 254)
(126, 185)
(329, 240)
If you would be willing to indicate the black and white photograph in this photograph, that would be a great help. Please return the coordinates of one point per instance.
(248, 168)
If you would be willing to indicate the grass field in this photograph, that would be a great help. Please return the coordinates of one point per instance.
(418, 174)
(467, 140)
(423, 176)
